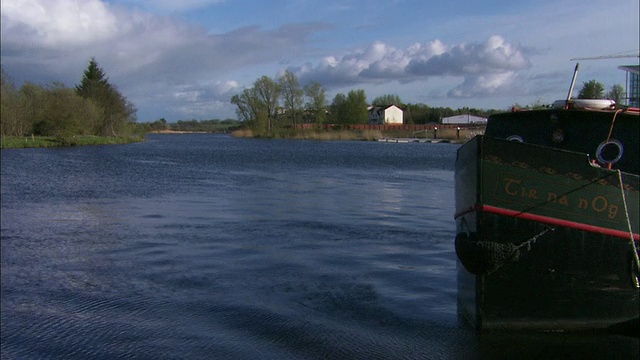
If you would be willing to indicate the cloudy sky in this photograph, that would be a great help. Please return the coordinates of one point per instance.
(184, 59)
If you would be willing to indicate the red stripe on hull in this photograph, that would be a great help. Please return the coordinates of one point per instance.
(549, 220)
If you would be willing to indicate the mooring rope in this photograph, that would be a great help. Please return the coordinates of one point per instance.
(612, 123)
(483, 257)
(631, 239)
(533, 239)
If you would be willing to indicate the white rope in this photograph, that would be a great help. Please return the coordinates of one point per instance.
(534, 238)
(626, 213)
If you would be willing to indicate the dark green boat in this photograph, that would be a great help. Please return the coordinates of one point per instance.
(547, 215)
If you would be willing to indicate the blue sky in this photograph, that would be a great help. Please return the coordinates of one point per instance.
(185, 59)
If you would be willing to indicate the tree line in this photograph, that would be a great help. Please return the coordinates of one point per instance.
(93, 107)
(273, 104)
(209, 126)
(283, 102)
(96, 107)
(593, 89)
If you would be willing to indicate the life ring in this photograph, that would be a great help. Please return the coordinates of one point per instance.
(609, 152)
(517, 138)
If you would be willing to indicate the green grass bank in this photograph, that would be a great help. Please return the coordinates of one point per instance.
(18, 142)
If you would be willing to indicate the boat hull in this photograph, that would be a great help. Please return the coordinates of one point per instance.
(545, 240)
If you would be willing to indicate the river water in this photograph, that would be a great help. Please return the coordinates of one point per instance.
(205, 246)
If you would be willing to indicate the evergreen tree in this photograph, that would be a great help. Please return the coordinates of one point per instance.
(93, 80)
(117, 112)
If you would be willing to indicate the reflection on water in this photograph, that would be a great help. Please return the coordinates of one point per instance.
(557, 346)
(204, 246)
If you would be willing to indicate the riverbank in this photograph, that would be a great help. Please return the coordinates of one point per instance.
(19, 142)
(451, 136)
(365, 135)
(176, 132)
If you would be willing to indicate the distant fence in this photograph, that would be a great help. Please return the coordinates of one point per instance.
(388, 127)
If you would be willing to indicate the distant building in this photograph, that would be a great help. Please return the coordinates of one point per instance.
(464, 119)
(633, 84)
(390, 114)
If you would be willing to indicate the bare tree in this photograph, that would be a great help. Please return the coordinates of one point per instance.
(616, 93)
(249, 108)
(292, 94)
(268, 93)
(11, 121)
(317, 101)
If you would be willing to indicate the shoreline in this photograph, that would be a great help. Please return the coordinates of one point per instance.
(14, 142)
(392, 136)
(177, 132)
(27, 142)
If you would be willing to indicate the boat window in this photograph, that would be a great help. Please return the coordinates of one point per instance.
(609, 152)
(517, 138)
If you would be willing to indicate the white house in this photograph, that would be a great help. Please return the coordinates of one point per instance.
(380, 115)
(464, 119)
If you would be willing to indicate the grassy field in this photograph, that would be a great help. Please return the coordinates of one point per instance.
(16, 142)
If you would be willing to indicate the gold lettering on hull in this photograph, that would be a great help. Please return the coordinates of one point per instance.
(516, 190)
(553, 198)
(513, 187)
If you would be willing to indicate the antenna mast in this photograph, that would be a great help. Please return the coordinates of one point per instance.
(573, 82)
(604, 57)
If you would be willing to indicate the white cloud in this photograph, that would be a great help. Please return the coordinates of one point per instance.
(486, 68)
(485, 85)
(495, 55)
(169, 6)
(56, 23)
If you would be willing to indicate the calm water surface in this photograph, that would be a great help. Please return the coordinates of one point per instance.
(209, 247)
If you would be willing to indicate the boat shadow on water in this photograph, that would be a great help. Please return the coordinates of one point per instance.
(501, 345)
(620, 341)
